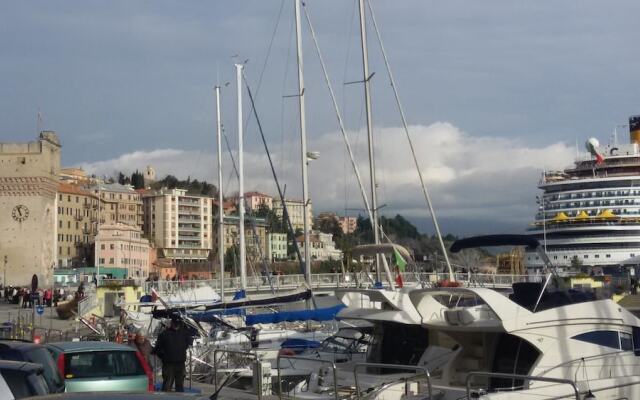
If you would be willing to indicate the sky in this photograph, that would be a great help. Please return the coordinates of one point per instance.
(495, 92)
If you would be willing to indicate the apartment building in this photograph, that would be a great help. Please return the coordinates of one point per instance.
(178, 224)
(348, 224)
(295, 208)
(256, 199)
(122, 252)
(322, 246)
(121, 204)
(77, 222)
(255, 242)
(277, 246)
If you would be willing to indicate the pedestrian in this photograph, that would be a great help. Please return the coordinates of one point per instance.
(171, 347)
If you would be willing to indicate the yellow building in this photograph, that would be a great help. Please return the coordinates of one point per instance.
(77, 222)
(256, 244)
(121, 204)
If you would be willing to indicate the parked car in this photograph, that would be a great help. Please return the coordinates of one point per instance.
(101, 367)
(19, 380)
(123, 396)
(17, 350)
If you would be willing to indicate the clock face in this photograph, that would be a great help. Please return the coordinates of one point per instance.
(20, 212)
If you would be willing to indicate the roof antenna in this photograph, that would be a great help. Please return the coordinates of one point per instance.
(39, 122)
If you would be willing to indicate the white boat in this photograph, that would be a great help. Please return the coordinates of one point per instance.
(588, 344)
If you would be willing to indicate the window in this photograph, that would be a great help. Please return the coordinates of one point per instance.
(102, 364)
(111, 246)
(102, 246)
(600, 338)
(626, 341)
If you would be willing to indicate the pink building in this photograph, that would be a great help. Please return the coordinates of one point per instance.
(122, 252)
(348, 224)
(255, 199)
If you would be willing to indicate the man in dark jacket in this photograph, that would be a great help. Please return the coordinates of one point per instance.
(171, 347)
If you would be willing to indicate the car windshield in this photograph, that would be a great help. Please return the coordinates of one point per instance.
(51, 375)
(102, 364)
(18, 382)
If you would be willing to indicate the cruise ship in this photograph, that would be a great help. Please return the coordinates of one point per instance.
(589, 214)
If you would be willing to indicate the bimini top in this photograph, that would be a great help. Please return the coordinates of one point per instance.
(495, 240)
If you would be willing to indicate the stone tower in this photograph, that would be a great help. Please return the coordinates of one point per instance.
(28, 210)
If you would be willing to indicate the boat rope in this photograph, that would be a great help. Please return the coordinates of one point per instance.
(425, 191)
(285, 213)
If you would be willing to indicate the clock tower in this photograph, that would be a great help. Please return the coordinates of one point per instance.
(28, 209)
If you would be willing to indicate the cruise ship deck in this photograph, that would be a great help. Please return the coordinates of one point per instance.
(589, 214)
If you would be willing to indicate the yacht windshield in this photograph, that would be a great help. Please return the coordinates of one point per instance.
(396, 343)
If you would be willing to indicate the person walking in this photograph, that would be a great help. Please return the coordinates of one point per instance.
(171, 347)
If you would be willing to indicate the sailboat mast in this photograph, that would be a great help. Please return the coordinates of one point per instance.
(303, 145)
(372, 162)
(220, 197)
(243, 265)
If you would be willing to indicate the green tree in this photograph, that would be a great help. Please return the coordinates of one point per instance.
(230, 257)
(576, 264)
(274, 222)
(328, 224)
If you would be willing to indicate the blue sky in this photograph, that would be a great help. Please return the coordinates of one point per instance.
(122, 80)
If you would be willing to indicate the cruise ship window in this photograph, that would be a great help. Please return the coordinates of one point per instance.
(632, 255)
(597, 255)
(586, 256)
(608, 255)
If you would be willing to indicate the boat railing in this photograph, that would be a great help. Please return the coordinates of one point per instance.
(308, 359)
(336, 280)
(569, 382)
(420, 371)
(245, 354)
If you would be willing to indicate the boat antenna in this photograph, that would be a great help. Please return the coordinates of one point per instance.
(425, 191)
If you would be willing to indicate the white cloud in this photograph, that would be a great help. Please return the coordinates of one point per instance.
(472, 177)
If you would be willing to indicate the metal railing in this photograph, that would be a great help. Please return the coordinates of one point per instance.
(314, 360)
(523, 377)
(339, 280)
(87, 303)
(225, 351)
(423, 371)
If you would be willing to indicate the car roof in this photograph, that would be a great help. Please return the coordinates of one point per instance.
(20, 366)
(88, 346)
(18, 345)
(122, 396)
